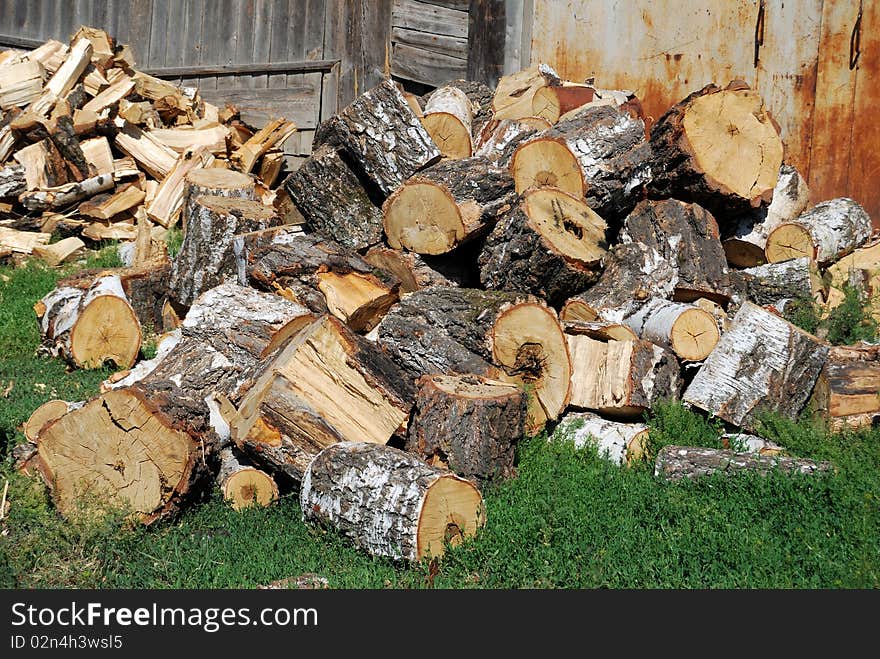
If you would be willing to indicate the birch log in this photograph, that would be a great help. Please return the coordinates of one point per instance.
(448, 118)
(621, 443)
(214, 182)
(690, 332)
(677, 462)
(767, 284)
(388, 502)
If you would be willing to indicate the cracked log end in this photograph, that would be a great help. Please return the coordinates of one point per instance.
(249, 487)
(789, 241)
(546, 162)
(694, 334)
(107, 330)
(449, 133)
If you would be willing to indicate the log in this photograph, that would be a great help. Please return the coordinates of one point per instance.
(20, 84)
(333, 201)
(863, 266)
(47, 413)
(847, 392)
(12, 180)
(448, 118)
(480, 97)
(743, 442)
(515, 92)
(687, 236)
(767, 284)
(154, 157)
(65, 195)
(718, 148)
(825, 233)
(242, 485)
(64, 79)
(165, 343)
(206, 257)
(125, 198)
(446, 205)
(112, 94)
(690, 332)
(633, 274)
(214, 182)
(90, 326)
(275, 132)
(600, 330)
(501, 335)
(745, 246)
(325, 385)
(319, 273)
(499, 139)
(468, 424)
(413, 270)
(677, 462)
(763, 363)
(61, 252)
(390, 503)
(601, 155)
(212, 137)
(621, 443)
(381, 134)
(22, 242)
(165, 206)
(43, 165)
(623, 379)
(7, 142)
(553, 101)
(550, 245)
(97, 153)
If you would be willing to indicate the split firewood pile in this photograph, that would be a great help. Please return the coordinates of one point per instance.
(475, 265)
(92, 149)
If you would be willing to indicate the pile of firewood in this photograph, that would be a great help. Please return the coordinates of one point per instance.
(90, 148)
(474, 265)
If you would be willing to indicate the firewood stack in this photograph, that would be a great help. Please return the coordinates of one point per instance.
(474, 266)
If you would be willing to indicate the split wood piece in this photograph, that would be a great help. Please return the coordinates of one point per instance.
(515, 92)
(448, 117)
(213, 138)
(414, 270)
(89, 327)
(103, 46)
(745, 246)
(333, 201)
(390, 503)
(206, 256)
(690, 332)
(97, 153)
(446, 205)
(141, 113)
(22, 242)
(621, 443)
(275, 132)
(825, 233)
(553, 101)
(112, 94)
(318, 273)
(847, 393)
(20, 84)
(47, 413)
(497, 334)
(600, 330)
(243, 485)
(767, 284)
(677, 462)
(168, 98)
(50, 54)
(154, 157)
(468, 424)
(63, 135)
(500, 138)
(750, 443)
(270, 167)
(64, 79)
(719, 148)
(551, 245)
(763, 363)
(861, 268)
(7, 142)
(65, 195)
(98, 231)
(12, 180)
(325, 385)
(125, 198)
(43, 166)
(621, 378)
(688, 236)
(165, 206)
(633, 274)
(381, 134)
(601, 155)
(61, 252)
(214, 182)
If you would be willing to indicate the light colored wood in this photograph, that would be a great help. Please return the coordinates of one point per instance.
(33, 158)
(22, 242)
(515, 92)
(272, 134)
(621, 443)
(690, 332)
(125, 198)
(181, 139)
(359, 301)
(155, 158)
(863, 263)
(46, 413)
(598, 329)
(546, 162)
(112, 94)
(124, 168)
(242, 485)
(97, 153)
(61, 252)
(165, 206)
(102, 44)
(447, 118)
(270, 167)
(64, 195)
(20, 84)
(552, 102)
(64, 78)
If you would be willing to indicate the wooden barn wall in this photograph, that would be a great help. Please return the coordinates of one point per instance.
(429, 40)
(816, 63)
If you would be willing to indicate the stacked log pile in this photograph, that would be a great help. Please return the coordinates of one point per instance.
(474, 266)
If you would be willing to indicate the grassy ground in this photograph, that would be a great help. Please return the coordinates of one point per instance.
(569, 520)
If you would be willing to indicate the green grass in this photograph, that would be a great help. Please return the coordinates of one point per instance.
(849, 322)
(570, 519)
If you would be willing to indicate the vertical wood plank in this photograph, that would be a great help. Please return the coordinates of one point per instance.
(160, 38)
(259, 43)
(342, 40)
(135, 27)
(190, 52)
(487, 21)
(82, 14)
(229, 37)
(376, 44)
(282, 28)
(64, 20)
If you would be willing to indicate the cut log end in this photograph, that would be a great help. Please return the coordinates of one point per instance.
(570, 226)
(789, 241)
(423, 217)
(449, 134)
(45, 413)
(694, 334)
(546, 162)
(106, 331)
(452, 511)
(216, 178)
(249, 487)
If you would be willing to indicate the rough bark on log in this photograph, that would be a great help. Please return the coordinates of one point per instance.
(388, 502)
(333, 201)
(320, 274)
(12, 180)
(687, 236)
(468, 424)
(446, 205)
(550, 245)
(601, 155)
(767, 284)
(763, 363)
(745, 245)
(380, 132)
(243, 485)
(677, 462)
(206, 257)
(621, 378)
(501, 335)
(64, 195)
(690, 332)
(718, 148)
(633, 273)
(622, 443)
(847, 393)
(448, 118)
(499, 139)
(750, 443)
(828, 231)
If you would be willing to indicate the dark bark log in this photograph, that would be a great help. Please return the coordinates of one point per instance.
(12, 181)
(767, 284)
(847, 393)
(677, 462)
(215, 182)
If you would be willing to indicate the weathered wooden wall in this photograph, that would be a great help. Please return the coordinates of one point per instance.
(429, 40)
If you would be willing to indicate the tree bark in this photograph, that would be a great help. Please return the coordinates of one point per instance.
(214, 182)
(767, 284)
(12, 181)
(413, 270)
(498, 139)
(480, 97)
(763, 363)
(690, 332)
(468, 424)
(677, 462)
(388, 502)
(621, 443)
(550, 245)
